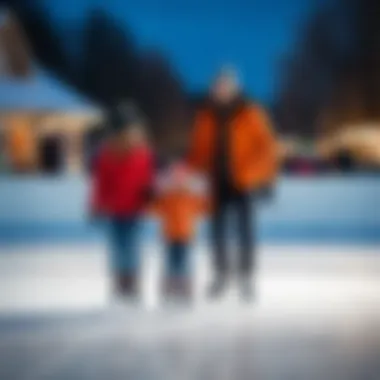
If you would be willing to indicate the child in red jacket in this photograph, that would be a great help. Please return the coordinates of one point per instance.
(122, 180)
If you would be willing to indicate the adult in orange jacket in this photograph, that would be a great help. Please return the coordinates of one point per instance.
(233, 144)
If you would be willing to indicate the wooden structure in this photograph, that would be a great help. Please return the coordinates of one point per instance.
(35, 107)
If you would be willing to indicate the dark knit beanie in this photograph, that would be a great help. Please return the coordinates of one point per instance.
(123, 116)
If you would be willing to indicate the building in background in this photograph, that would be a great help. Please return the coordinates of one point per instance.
(359, 141)
(42, 122)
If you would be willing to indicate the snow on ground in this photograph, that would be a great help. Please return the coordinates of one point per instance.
(317, 316)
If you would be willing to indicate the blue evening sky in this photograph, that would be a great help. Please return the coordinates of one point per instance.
(200, 35)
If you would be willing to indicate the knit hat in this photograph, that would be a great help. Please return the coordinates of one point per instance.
(230, 73)
(123, 116)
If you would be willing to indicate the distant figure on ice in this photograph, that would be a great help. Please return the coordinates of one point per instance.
(179, 206)
(233, 144)
(122, 180)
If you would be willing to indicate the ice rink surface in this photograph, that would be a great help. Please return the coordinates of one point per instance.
(316, 317)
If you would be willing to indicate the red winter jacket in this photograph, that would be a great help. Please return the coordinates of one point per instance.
(121, 182)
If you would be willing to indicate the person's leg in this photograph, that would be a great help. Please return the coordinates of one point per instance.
(219, 242)
(244, 205)
(219, 236)
(177, 265)
(245, 214)
(126, 260)
(116, 248)
(131, 255)
(177, 281)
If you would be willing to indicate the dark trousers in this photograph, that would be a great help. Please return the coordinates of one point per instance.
(177, 259)
(229, 200)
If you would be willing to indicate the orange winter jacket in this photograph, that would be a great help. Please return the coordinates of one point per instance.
(252, 145)
(179, 211)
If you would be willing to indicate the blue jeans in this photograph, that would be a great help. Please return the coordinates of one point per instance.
(177, 259)
(123, 239)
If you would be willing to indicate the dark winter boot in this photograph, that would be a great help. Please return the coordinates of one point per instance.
(218, 287)
(246, 288)
(178, 289)
(126, 285)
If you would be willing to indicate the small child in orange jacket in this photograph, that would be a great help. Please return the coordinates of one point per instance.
(179, 208)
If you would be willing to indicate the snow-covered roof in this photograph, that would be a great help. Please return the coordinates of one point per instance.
(40, 92)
